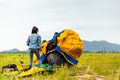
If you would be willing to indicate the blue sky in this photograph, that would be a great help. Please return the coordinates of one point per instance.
(91, 19)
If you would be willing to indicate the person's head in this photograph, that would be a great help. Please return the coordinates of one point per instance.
(34, 30)
(56, 33)
(44, 41)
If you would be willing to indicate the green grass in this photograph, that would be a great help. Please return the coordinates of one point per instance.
(97, 65)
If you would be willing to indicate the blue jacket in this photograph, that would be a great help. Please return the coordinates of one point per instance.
(34, 41)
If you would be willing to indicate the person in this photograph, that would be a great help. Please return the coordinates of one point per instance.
(34, 43)
(54, 57)
(53, 42)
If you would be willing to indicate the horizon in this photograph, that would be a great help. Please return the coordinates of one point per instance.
(82, 40)
(91, 19)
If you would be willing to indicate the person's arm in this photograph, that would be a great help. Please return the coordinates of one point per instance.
(28, 41)
(39, 40)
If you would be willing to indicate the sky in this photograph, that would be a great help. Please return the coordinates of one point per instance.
(91, 19)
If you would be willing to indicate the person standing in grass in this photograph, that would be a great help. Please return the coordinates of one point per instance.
(34, 43)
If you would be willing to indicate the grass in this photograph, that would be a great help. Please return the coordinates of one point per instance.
(99, 65)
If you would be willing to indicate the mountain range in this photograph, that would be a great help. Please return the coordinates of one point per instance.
(100, 46)
(15, 50)
(89, 46)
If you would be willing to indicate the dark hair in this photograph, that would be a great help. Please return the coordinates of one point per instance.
(34, 30)
(56, 33)
(44, 41)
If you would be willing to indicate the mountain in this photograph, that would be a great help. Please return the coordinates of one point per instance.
(15, 50)
(89, 46)
(100, 46)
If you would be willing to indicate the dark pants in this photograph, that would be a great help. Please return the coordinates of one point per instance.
(32, 51)
(56, 59)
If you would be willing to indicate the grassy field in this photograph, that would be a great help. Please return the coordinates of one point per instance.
(91, 66)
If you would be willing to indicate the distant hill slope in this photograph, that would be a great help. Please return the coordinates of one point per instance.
(93, 46)
(100, 46)
(15, 50)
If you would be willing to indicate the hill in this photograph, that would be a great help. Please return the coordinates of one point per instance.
(15, 50)
(89, 46)
(100, 46)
